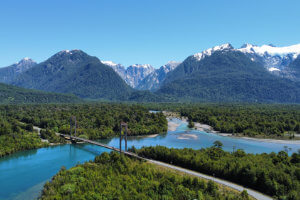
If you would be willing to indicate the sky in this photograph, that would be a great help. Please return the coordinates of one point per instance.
(141, 31)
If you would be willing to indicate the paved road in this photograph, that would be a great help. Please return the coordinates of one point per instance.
(253, 193)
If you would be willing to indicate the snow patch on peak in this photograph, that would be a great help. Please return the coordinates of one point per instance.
(210, 51)
(109, 63)
(25, 60)
(273, 69)
(69, 51)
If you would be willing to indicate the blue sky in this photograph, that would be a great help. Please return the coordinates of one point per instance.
(141, 31)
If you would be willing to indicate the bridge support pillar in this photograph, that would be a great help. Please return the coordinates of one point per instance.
(123, 136)
(73, 118)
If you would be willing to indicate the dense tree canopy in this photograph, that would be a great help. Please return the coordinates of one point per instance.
(112, 176)
(96, 121)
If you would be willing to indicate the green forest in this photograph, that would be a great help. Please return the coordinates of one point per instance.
(114, 176)
(275, 174)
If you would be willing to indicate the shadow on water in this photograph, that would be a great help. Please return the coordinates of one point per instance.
(85, 147)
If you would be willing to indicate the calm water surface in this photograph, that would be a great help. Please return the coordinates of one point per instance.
(23, 174)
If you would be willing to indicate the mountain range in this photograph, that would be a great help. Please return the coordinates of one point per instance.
(222, 73)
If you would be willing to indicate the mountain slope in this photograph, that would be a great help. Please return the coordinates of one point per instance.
(292, 71)
(13, 94)
(224, 74)
(8, 74)
(74, 72)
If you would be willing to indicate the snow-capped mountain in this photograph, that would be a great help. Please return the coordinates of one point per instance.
(273, 58)
(133, 74)
(277, 60)
(7, 74)
(154, 80)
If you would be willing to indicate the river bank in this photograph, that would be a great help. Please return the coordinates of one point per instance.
(209, 129)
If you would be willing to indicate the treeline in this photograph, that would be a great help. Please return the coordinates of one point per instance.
(15, 136)
(112, 176)
(277, 175)
(254, 120)
(94, 120)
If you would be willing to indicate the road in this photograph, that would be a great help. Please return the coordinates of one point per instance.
(253, 193)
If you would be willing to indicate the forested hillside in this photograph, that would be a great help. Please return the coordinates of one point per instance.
(112, 176)
(77, 73)
(277, 175)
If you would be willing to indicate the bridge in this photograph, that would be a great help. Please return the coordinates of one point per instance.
(74, 138)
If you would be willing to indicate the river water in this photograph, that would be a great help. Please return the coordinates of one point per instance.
(23, 174)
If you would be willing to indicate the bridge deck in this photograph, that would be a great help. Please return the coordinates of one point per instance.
(101, 145)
